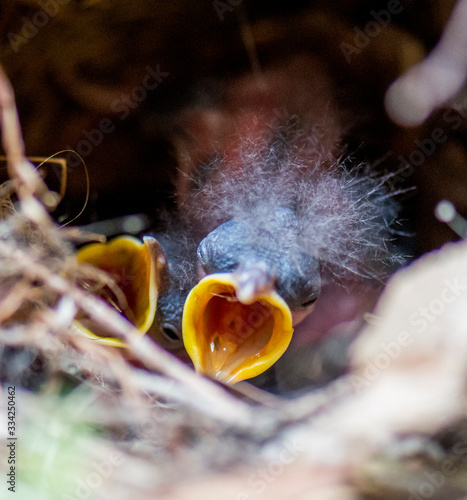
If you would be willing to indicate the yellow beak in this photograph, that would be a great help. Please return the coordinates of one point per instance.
(229, 340)
(136, 266)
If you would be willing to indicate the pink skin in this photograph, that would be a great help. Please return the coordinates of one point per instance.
(299, 316)
(353, 300)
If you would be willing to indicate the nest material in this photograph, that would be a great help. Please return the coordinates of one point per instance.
(395, 420)
(393, 428)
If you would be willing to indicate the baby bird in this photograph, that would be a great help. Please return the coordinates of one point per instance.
(282, 218)
(264, 181)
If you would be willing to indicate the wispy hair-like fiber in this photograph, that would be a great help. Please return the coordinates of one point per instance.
(344, 213)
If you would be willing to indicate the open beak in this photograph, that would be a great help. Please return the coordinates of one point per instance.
(136, 267)
(228, 339)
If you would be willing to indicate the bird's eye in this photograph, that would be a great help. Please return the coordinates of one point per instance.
(203, 256)
(205, 267)
(171, 333)
(309, 302)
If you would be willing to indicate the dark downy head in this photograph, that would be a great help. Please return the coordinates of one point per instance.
(179, 242)
(265, 258)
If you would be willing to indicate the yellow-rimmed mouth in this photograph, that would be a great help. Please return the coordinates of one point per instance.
(231, 341)
(135, 266)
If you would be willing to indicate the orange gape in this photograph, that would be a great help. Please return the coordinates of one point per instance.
(231, 341)
(136, 267)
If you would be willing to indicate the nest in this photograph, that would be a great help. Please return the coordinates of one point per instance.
(100, 423)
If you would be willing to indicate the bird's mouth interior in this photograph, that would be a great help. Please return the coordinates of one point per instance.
(234, 331)
(132, 265)
(229, 340)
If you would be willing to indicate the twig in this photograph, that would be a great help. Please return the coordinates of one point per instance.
(26, 180)
(153, 357)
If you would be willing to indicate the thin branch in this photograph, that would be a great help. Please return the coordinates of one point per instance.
(225, 407)
(26, 180)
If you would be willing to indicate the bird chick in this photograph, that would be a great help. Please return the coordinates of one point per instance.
(263, 177)
(284, 219)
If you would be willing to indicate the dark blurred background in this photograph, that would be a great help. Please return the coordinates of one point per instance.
(85, 75)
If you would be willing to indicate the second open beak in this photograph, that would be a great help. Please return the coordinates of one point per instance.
(136, 267)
